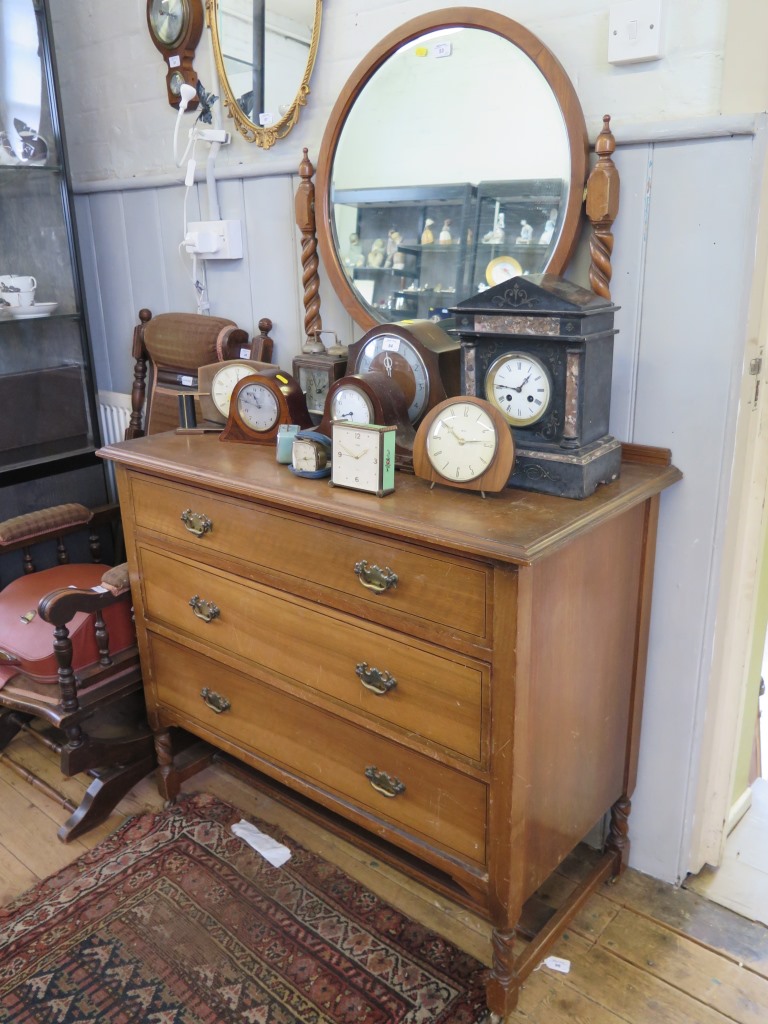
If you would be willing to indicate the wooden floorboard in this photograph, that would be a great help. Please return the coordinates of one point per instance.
(640, 952)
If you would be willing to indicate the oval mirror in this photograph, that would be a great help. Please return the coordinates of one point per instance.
(455, 157)
(264, 51)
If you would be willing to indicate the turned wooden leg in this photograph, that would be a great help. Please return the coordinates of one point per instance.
(618, 836)
(503, 985)
(168, 781)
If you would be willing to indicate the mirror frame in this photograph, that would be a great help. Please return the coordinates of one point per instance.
(550, 68)
(251, 132)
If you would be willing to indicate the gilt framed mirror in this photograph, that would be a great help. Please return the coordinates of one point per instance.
(265, 51)
(455, 156)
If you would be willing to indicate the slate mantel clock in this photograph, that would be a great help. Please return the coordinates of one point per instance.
(540, 349)
(175, 27)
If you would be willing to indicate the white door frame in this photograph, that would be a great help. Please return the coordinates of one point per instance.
(743, 552)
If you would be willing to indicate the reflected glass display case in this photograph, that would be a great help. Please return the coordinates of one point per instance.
(46, 387)
(405, 249)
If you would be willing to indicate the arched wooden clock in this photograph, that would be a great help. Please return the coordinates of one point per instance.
(368, 399)
(175, 27)
(261, 403)
(419, 355)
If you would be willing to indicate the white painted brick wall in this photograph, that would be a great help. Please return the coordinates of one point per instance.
(119, 124)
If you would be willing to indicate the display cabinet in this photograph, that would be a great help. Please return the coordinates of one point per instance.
(46, 385)
(515, 228)
(405, 249)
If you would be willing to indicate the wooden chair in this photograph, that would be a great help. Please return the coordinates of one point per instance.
(169, 348)
(91, 712)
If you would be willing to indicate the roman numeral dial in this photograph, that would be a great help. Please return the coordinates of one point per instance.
(520, 387)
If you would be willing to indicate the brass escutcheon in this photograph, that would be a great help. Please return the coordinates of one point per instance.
(215, 701)
(375, 579)
(372, 679)
(196, 522)
(383, 783)
(205, 610)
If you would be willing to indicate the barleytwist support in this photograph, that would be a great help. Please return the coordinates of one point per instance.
(305, 221)
(602, 208)
(618, 836)
(503, 983)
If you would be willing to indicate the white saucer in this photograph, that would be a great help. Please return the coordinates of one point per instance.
(36, 309)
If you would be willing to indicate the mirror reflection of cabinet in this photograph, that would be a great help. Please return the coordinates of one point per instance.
(46, 388)
(390, 240)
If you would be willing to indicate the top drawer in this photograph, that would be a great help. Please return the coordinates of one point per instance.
(433, 588)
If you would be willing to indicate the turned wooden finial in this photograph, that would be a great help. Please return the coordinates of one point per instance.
(602, 209)
(305, 221)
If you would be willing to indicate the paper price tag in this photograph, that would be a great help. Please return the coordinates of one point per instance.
(391, 344)
(556, 963)
(175, 61)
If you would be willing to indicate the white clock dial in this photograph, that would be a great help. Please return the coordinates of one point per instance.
(400, 361)
(461, 442)
(224, 382)
(355, 457)
(519, 385)
(352, 405)
(314, 384)
(258, 407)
(168, 19)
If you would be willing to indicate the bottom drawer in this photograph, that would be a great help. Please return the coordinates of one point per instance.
(437, 802)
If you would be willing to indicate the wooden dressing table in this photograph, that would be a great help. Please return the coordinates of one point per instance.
(454, 682)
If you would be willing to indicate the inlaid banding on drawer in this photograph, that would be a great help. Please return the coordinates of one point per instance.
(435, 801)
(448, 592)
(436, 697)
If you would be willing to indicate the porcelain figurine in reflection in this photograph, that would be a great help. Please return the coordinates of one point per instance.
(394, 238)
(445, 232)
(526, 233)
(427, 238)
(377, 254)
(549, 228)
(497, 233)
(354, 257)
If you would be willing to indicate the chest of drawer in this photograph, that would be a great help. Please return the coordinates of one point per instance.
(414, 686)
(432, 800)
(450, 593)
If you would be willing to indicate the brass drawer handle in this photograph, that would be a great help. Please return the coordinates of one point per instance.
(375, 579)
(215, 701)
(196, 522)
(385, 784)
(377, 682)
(205, 610)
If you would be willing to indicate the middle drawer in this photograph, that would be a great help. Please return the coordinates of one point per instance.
(410, 684)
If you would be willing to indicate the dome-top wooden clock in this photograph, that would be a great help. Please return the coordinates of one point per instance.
(540, 349)
(175, 27)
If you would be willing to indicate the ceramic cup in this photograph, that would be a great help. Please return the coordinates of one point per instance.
(18, 290)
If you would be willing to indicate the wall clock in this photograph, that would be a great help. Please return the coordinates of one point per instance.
(466, 443)
(419, 355)
(363, 457)
(216, 382)
(372, 398)
(175, 27)
(260, 403)
(540, 350)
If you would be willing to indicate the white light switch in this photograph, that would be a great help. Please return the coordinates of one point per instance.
(634, 31)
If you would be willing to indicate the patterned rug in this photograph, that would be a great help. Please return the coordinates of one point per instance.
(174, 920)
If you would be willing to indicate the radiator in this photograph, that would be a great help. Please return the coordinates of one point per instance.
(114, 417)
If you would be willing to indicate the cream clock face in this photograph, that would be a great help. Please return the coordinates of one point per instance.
(355, 457)
(168, 19)
(223, 384)
(257, 407)
(402, 363)
(520, 387)
(462, 441)
(351, 405)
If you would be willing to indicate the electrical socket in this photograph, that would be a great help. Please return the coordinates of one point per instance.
(214, 239)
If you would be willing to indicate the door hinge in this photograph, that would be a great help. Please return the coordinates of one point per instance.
(755, 366)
